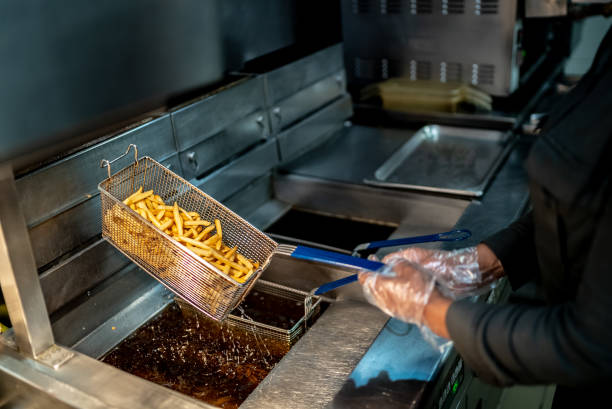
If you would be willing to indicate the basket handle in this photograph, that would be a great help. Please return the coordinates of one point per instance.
(108, 163)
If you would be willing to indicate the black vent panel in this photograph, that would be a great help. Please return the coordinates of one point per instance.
(421, 6)
(391, 6)
(453, 7)
(419, 70)
(486, 7)
(362, 6)
(483, 74)
(451, 72)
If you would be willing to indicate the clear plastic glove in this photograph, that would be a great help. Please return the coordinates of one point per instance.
(459, 273)
(400, 289)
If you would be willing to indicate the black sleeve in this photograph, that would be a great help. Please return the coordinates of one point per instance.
(514, 246)
(568, 344)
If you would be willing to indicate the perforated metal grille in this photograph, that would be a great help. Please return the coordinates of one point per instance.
(484, 7)
(453, 7)
(175, 266)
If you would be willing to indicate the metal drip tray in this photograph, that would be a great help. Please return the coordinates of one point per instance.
(445, 159)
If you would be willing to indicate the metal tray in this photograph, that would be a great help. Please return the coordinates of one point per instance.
(445, 159)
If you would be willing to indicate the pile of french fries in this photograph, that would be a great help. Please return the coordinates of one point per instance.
(203, 237)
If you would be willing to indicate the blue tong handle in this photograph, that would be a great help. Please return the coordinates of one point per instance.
(365, 264)
(339, 259)
(453, 235)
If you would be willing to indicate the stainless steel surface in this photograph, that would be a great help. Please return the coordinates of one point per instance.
(315, 368)
(73, 180)
(18, 277)
(208, 116)
(70, 68)
(174, 265)
(426, 214)
(251, 197)
(313, 130)
(80, 272)
(287, 336)
(351, 154)
(97, 306)
(101, 339)
(445, 159)
(545, 8)
(473, 42)
(237, 137)
(267, 213)
(58, 235)
(81, 383)
(287, 80)
(237, 174)
(305, 101)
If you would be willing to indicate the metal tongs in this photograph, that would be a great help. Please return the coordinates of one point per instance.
(363, 250)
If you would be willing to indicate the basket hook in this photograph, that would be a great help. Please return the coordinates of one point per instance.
(108, 163)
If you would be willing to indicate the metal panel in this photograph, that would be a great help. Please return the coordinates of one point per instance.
(54, 237)
(79, 273)
(313, 130)
(236, 175)
(250, 198)
(112, 296)
(289, 79)
(217, 148)
(307, 100)
(210, 115)
(63, 184)
(474, 43)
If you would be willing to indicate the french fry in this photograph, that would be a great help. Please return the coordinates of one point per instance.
(130, 197)
(212, 240)
(242, 260)
(218, 228)
(178, 220)
(197, 223)
(166, 224)
(204, 232)
(138, 197)
(185, 213)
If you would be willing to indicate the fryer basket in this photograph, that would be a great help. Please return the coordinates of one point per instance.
(288, 337)
(190, 277)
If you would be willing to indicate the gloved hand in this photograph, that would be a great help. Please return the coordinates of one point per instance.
(459, 273)
(400, 289)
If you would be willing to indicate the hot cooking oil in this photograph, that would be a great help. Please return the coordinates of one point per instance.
(204, 359)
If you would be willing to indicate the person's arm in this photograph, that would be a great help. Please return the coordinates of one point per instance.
(568, 344)
(515, 248)
(434, 314)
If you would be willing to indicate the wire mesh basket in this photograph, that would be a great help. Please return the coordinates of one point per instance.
(287, 336)
(178, 268)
